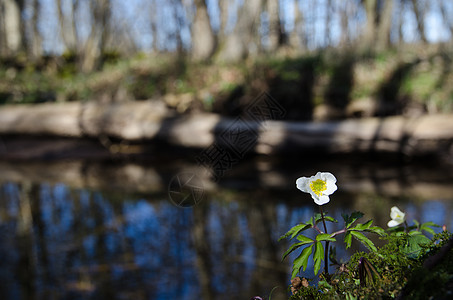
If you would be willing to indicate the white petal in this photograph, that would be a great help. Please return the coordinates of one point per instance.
(322, 200)
(331, 187)
(393, 223)
(317, 176)
(396, 213)
(328, 177)
(302, 184)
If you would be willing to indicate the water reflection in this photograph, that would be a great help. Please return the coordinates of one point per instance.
(82, 242)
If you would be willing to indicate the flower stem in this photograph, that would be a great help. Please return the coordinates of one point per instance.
(326, 253)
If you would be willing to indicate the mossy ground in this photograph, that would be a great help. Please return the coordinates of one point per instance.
(393, 274)
(395, 81)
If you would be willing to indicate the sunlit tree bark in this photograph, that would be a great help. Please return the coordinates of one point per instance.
(203, 39)
(385, 25)
(11, 28)
(370, 25)
(275, 26)
(95, 44)
(68, 29)
(297, 37)
(420, 11)
(35, 47)
(238, 44)
(447, 18)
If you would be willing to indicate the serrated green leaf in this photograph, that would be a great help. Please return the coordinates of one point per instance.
(364, 240)
(349, 220)
(330, 219)
(304, 239)
(318, 256)
(301, 261)
(318, 218)
(427, 227)
(377, 230)
(325, 237)
(348, 239)
(414, 244)
(416, 223)
(296, 230)
(361, 227)
(291, 249)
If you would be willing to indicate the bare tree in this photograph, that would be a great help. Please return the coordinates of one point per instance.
(35, 47)
(447, 18)
(385, 25)
(420, 11)
(95, 44)
(68, 29)
(224, 9)
(344, 24)
(370, 25)
(11, 27)
(203, 39)
(238, 43)
(297, 38)
(275, 26)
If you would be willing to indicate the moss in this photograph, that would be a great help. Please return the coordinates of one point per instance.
(390, 273)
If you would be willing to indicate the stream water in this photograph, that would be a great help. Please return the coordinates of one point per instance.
(117, 230)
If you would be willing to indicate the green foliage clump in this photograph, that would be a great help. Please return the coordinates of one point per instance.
(390, 271)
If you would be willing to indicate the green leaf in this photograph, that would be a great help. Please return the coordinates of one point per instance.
(349, 220)
(432, 224)
(414, 244)
(296, 230)
(427, 227)
(318, 218)
(291, 249)
(301, 261)
(361, 227)
(377, 230)
(364, 240)
(330, 219)
(318, 256)
(304, 239)
(325, 237)
(348, 239)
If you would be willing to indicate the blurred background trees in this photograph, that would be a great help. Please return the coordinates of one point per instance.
(217, 55)
(219, 29)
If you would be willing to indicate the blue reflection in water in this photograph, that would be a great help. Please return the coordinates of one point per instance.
(56, 242)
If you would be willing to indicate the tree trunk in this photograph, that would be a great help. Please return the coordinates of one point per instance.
(344, 38)
(385, 25)
(138, 121)
(297, 37)
(239, 43)
(328, 18)
(369, 33)
(67, 26)
(203, 40)
(95, 44)
(420, 17)
(12, 28)
(224, 11)
(446, 17)
(275, 27)
(35, 50)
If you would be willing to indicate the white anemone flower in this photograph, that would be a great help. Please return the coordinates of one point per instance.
(397, 217)
(319, 186)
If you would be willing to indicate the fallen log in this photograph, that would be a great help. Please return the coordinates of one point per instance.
(148, 121)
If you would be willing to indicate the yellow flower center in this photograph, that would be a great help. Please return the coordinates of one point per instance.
(318, 186)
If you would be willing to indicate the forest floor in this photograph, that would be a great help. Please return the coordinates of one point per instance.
(323, 85)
